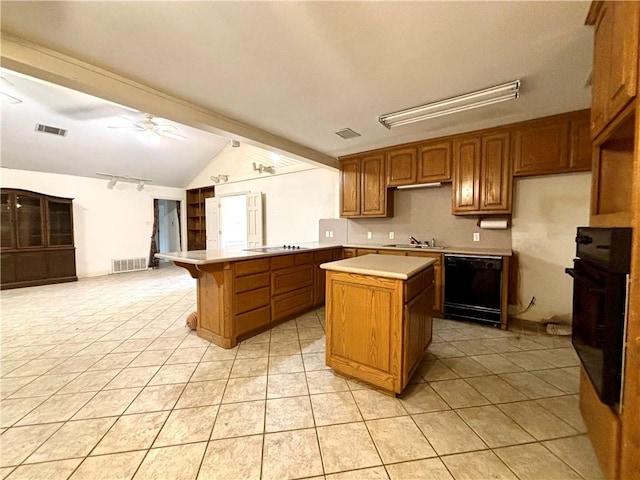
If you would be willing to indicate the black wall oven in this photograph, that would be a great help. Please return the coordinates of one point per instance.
(473, 288)
(599, 296)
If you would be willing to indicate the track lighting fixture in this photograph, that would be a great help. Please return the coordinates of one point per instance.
(219, 178)
(264, 168)
(114, 179)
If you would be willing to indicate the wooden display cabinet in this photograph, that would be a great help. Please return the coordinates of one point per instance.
(37, 239)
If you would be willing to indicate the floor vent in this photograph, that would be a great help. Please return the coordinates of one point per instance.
(128, 265)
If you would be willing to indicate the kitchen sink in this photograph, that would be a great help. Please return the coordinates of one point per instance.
(413, 245)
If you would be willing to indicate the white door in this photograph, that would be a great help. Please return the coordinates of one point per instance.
(211, 220)
(254, 220)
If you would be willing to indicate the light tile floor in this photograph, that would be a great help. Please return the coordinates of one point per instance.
(101, 379)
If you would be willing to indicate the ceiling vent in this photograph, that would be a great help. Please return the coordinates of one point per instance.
(347, 133)
(61, 132)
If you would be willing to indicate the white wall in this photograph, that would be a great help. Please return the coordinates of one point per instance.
(293, 204)
(108, 224)
(295, 198)
(547, 210)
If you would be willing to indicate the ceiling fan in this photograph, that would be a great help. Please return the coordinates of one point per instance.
(151, 126)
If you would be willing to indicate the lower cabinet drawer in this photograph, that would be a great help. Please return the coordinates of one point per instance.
(291, 303)
(244, 302)
(251, 282)
(289, 279)
(253, 320)
(247, 267)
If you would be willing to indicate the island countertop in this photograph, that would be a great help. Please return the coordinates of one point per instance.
(205, 257)
(386, 266)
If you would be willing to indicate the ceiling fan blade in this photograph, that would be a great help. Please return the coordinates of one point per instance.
(171, 135)
(137, 128)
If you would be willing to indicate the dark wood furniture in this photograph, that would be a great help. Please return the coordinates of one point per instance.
(196, 221)
(37, 243)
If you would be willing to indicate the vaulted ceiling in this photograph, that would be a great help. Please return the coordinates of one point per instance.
(299, 71)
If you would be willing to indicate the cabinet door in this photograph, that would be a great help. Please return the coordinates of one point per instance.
(373, 188)
(60, 223)
(350, 188)
(542, 148)
(401, 167)
(623, 66)
(29, 221)
(7, 236)
(417, 332)
(581, 155)
(603, 35)
(434, 162)
(495, 194)
(466, 183)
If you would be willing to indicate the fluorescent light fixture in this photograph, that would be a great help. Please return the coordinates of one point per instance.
(461, 103)
(420, 185)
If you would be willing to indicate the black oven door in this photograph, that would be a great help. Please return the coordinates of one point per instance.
(597, 326)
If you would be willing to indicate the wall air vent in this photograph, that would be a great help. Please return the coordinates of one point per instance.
(61, 132)
(347, 133)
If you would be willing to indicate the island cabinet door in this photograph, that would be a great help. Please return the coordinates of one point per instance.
(364, 328)
(417, 331)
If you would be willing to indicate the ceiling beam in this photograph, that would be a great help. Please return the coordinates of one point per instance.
(40, 62)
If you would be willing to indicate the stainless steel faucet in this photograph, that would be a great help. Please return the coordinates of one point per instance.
(413, 239)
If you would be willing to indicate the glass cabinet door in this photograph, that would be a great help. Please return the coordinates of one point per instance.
(60, 223)
(29, 221)
(7, 235)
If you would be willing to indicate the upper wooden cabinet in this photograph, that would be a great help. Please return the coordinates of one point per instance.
(482, 175)
(556, 144)
(434, 162)
(422, 163)
(363, 191)
(401, 167)
(615, 60)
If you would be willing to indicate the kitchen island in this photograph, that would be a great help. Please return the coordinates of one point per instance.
(379, 317)
(242, 293)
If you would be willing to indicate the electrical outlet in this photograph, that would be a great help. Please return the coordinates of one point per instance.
(369, 235)
(326, 234)
(330, 233)
(391, 235)
(476, 236)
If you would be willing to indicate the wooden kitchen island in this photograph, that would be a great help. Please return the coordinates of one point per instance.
(379, 317)
(242, 293)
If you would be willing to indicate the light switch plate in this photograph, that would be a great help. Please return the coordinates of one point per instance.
(330, 233)
(391, 235)
(326, 234)
(369, 235)
(476, 236)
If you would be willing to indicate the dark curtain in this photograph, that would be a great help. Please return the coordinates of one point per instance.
(153, 261)
(179, 225)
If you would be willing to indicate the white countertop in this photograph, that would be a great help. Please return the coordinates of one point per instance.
(387, 266)
(203, 257)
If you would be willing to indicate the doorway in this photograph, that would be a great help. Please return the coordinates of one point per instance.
(167, 235)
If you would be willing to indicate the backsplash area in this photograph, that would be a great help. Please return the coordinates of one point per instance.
(426, 214)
